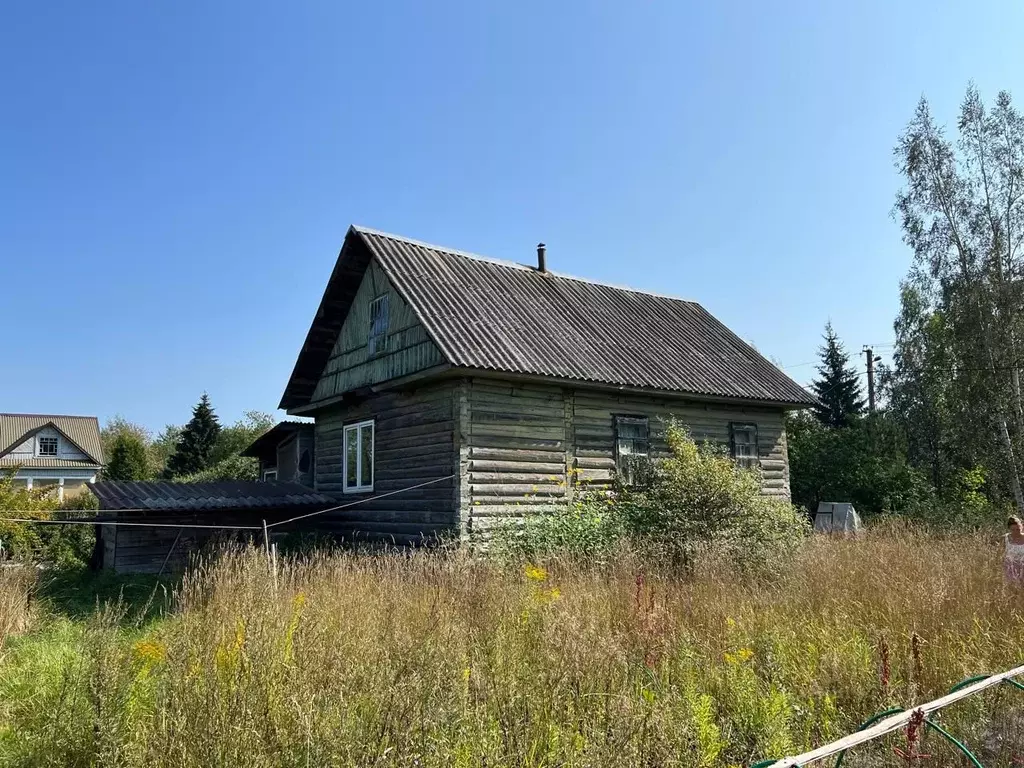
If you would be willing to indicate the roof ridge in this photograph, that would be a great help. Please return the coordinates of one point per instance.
(514, 264)
(50, 416)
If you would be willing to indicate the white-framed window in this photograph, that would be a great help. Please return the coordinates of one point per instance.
(632, 447)
(358, 458)
(743, 444)
(270, 474)
(47, 446)
(377, 341)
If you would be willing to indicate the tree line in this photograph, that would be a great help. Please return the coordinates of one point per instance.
(948, 441)
(200, 450)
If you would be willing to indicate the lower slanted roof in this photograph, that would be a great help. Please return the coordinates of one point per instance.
(165, 496)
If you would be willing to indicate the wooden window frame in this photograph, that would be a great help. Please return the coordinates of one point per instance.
(636, 419)
(377, 336)
(359, 427)
(749, 462)
(54, 441)
(267, 474)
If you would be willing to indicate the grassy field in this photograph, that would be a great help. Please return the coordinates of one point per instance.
(417, 660)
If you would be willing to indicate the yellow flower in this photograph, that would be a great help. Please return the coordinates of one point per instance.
(741, 656)
(150, 651)
(466, 673)
(730, 622)
(535, 573)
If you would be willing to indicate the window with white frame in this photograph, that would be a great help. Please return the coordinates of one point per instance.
(378, 338)
(47, 446)
(358, 459)
(743, 444)
(632, 447)
(270, 474)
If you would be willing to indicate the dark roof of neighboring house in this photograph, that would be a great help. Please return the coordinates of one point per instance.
(511, 318)
(83, 431)
(198, 497)
(272, 438)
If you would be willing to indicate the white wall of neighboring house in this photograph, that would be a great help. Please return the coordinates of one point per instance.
(65, 448)
(71, 478)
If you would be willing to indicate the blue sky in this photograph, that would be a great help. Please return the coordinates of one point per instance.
(176, 178)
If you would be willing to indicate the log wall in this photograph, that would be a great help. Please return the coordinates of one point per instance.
(531, 447)
(413, 442)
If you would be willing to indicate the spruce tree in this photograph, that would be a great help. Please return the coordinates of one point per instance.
(838, 389)
(128, 459)
(195, 444)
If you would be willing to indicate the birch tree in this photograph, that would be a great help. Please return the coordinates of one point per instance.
(962, 214)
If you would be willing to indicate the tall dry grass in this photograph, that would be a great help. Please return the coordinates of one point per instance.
(419, 659)
(16, 587)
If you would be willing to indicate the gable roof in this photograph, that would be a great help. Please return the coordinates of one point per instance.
(510, 318)
(83, 431)
(195, 497)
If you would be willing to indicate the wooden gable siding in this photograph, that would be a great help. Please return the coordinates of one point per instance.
(413, 442)
(409, 348)
(529, 448)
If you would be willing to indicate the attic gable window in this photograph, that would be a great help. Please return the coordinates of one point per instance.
(743, 444)
(377, 341)
(47, 446)
(632, 446)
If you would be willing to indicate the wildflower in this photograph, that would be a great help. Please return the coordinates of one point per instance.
(741, 656)
(549, 595)
(150, 651)
(730, 622)
(535, 573)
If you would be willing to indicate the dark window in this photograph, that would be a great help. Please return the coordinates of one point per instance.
(743, 444)
(632, 446)
(47, 446)
(304, 461)
(378, 338)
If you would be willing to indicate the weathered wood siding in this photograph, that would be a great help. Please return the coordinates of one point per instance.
(409, 349)
(531, 447)
(413, 443)
(517, 449)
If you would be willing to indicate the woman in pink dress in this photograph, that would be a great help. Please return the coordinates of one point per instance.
(1013, 564)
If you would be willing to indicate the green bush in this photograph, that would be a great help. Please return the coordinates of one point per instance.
(699, 499)
(62, 545)
(232, 468)
(696, 500)
(590, 529)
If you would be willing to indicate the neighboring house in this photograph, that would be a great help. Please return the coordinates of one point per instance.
(285, 453)
(510, 386)
(51, 451)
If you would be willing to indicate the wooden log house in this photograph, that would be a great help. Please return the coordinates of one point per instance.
(511, 386)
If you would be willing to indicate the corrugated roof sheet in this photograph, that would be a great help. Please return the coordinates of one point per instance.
(83, 431)
(511, 318)
(198, 497)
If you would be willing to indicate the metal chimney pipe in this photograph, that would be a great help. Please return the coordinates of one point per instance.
(542, 263)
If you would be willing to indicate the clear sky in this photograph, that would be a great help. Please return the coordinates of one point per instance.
(176, 178)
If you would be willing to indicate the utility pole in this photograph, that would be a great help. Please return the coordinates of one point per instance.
(869, 355)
